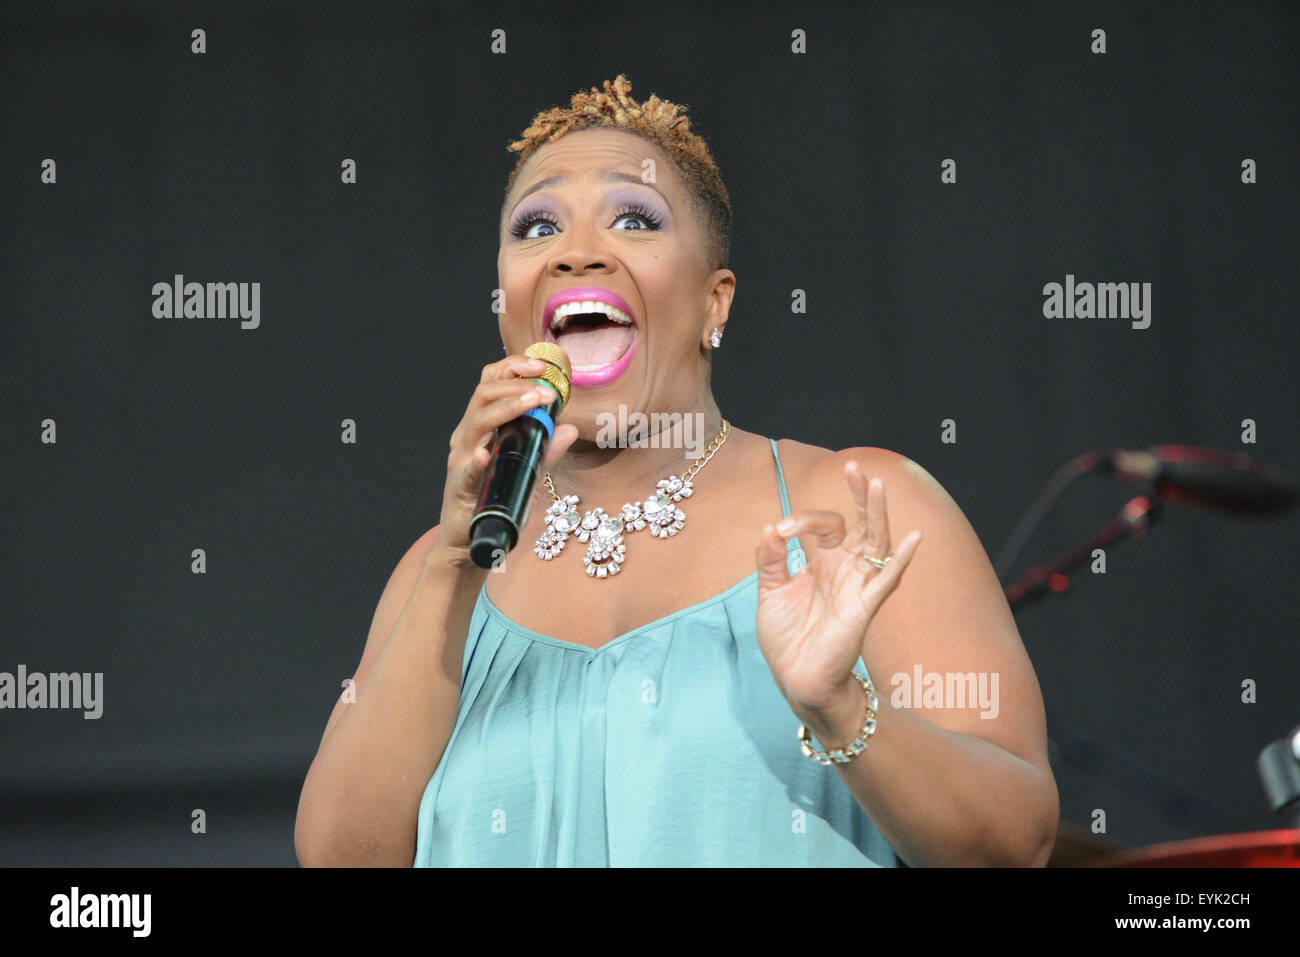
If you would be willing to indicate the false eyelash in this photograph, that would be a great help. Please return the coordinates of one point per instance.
(521, 226)
(652, 219)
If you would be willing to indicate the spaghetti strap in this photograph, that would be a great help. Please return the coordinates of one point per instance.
(795, 559)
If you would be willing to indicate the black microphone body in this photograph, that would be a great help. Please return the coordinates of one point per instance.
(508, 482)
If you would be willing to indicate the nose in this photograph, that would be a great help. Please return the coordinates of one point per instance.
(578, 252)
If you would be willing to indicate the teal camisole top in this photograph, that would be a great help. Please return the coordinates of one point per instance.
(669, 746)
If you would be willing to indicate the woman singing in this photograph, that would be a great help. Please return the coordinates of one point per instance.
(702, 653)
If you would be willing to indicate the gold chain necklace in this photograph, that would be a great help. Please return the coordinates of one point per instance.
(603, 534)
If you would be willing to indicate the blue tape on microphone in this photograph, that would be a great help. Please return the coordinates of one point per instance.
(543, 417)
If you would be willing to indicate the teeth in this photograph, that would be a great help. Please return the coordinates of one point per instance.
(560, 318)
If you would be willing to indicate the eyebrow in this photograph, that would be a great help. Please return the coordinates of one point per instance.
(609, 176)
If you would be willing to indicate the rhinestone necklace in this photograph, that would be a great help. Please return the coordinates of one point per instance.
(603, 534)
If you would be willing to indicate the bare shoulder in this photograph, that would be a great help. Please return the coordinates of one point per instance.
(819, 473)
(914, 499)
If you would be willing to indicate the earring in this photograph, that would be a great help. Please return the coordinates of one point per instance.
(715, 338)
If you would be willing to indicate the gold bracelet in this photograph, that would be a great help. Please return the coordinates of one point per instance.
(855, 747)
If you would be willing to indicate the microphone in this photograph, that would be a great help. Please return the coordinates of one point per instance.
(517, 454)
(1231, 481)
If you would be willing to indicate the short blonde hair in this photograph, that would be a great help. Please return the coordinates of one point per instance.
(658, 121)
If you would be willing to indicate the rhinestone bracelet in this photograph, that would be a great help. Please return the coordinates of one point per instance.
(855, 747)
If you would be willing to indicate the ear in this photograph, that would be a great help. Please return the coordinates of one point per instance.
(720, 290)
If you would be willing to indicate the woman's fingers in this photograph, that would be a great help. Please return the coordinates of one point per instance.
(879, 585)
(869, 536)
(505, 377)
(878, 539)
(519, 365)
(481, 425)
(772, 570)
(857, 483)
(870, 533)
(826, 527)
(485, 394)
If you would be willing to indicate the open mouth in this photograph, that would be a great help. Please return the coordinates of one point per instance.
(598, 337)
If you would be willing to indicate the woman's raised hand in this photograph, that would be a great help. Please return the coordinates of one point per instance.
(501, 395)
(811, 626)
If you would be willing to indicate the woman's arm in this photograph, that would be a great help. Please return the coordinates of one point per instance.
(362, 795)
(361, 799)
(967, 782)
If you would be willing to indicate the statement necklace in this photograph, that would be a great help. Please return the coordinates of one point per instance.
(603, 534)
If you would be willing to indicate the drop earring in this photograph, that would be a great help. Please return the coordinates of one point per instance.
(715, 338)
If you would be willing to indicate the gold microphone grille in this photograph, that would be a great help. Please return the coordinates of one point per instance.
(557, 369)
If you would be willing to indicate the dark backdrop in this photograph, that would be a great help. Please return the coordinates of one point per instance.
(175, 434)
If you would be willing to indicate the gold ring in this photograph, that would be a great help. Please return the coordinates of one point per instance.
(878, 562)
